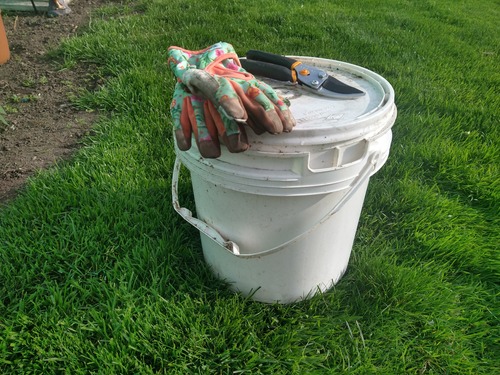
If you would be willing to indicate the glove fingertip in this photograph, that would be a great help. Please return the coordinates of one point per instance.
(255, 126)
(289, 121)
(275, 123)
(235, 143)
(209, 149)
(183, 143)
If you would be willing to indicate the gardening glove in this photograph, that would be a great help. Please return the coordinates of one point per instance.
(215, 97)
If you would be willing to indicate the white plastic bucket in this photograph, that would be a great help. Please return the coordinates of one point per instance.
(279, 220)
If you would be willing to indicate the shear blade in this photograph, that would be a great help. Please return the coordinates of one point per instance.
(334, 88)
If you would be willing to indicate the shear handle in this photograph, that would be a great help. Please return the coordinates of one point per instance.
(271, 58)
(269, 70)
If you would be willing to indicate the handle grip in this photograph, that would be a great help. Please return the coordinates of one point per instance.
(265, 69)
(271, 58)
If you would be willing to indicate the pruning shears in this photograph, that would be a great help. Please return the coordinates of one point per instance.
(284, 68)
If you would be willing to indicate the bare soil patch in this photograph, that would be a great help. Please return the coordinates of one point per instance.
(43, 126)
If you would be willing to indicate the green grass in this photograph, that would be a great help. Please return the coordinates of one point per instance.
(99, 275)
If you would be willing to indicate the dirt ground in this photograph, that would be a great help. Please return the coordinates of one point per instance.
(43, 127)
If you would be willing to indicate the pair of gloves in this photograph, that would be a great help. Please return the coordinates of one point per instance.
(214, 98)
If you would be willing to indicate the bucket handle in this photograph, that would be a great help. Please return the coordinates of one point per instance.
(197, 223)
(231, 246)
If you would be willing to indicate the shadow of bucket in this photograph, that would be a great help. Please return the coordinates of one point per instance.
(278, 221)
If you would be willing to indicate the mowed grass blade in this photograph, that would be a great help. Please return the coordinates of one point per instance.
(99, 275)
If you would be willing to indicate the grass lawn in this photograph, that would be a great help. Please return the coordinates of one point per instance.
(98, 274)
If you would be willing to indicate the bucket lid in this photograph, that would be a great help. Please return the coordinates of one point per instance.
(325, 121)
(334, 142)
